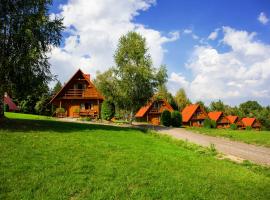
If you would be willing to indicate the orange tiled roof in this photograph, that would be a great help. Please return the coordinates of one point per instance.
(232, 118)
(145, 108)
(248, 121)
(188, 111)
(214, 115)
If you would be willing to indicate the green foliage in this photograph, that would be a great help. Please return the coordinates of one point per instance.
(248, 128)
(166, 118)
(28, 105)
(60, 110)
(233, 126)
(107, 110)
(163, 93)
(42, 106)
(208, 123)
(249, 108)
(6, 108)
(181, 99)
(217, 106)
(203, 105)
(176, 119)
(58, 86)
(27, 34)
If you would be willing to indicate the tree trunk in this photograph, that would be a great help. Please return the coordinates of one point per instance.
(1, 103)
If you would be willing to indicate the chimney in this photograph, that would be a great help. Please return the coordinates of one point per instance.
(87, 76)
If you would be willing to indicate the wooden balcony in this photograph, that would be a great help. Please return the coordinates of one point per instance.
(78, 94)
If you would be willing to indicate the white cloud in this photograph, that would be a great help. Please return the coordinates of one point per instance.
(262, 18)
(190, 32)
(94, 29)
(239, 74)
(213, 35)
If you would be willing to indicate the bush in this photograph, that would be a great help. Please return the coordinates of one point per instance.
(176, 119)
(6, 108)
(107, 110)
(166, 118)
(60, 110)
(207, 123)
(248, 128)
(42, 106)
(233, 126)
(213, 124)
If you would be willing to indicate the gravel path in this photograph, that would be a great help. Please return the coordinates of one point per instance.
(256, 154)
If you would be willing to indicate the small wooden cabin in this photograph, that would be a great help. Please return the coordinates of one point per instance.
(220, 119)
(151, 112)
(79, 97)
(233, 119)
(193, 115)
(252, 122)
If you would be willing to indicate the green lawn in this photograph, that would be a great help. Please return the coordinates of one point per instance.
(45, 159)
(250, 137)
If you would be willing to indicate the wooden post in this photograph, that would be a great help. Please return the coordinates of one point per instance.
(98, 109)
(60, 103)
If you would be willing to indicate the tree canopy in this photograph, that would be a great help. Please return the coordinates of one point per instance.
(181, 99)
(27, 34)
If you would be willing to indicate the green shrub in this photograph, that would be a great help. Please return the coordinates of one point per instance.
(248, 128)
(107, 110)
(60, 110)
(213, 124)
(176, 119)
(166, 118)
(233, 126)
(207, 123)
(6, 108)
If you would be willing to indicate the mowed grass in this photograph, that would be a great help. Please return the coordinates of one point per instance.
(250, 137)
(45, 159)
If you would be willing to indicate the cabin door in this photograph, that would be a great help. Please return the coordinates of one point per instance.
(72, 109)
(154, 119)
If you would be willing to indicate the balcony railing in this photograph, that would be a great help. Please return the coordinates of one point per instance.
(74, 93)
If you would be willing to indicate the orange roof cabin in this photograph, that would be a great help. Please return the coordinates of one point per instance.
(219, 118)
(233, 119)
(193, 115)
(151, 112)
(251, 122)
(11, 105)
(79, 97)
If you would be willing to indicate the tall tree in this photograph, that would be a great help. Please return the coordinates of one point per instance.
(27, 34)
(217, 106)
(134, 79)
(250, 108)
(163, 93)
(181, 99)
(58, 86)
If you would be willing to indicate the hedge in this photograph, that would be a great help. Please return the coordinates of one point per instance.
(176, 119)
(166, 118)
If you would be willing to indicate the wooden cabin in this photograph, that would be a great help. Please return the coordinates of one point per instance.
(252, 122)
(221, 120)
(233, 119)
(79, 97)
(193, 115)
(152, 111)
(11, 105)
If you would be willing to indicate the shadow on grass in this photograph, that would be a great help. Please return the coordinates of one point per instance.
(28, 125)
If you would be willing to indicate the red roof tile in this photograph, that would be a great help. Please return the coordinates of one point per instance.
(188, 111)
(214, 115)
(248, 121)
(232, 118)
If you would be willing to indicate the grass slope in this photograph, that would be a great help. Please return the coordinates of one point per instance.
(45, 159)
(250, 137)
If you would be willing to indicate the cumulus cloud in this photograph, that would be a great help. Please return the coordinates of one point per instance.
(241, 73)
(262, 18)
(191, 33)
(94, 28)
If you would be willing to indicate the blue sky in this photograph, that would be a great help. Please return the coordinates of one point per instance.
(178, 34)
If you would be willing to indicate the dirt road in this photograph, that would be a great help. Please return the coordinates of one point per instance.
(235, 150)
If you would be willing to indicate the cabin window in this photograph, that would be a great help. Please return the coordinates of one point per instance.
(79, 86)
(88, 106)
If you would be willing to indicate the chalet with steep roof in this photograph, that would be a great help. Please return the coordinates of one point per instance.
(151, 112)
(193, 115)
(233, 119)
(219, 118)
(251, 122)
(11, 105)
(79, 97)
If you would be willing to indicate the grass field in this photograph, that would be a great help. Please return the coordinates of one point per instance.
(45, 159)
(250, 137)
